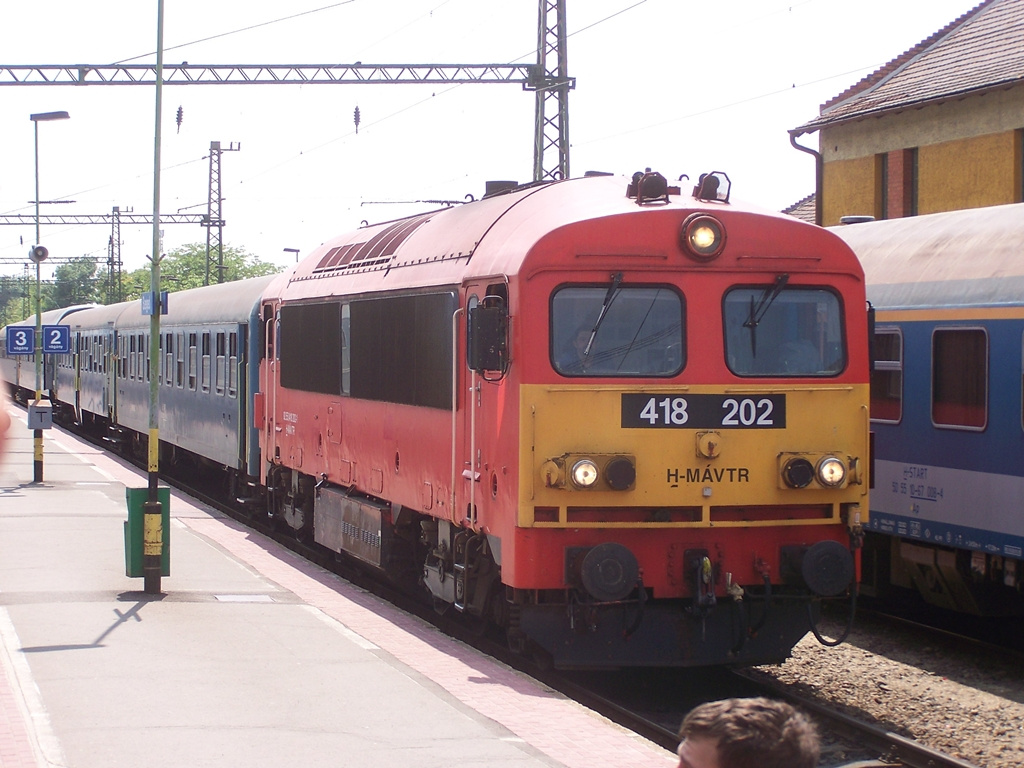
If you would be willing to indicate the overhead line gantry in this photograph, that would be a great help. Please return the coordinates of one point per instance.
(548, 77)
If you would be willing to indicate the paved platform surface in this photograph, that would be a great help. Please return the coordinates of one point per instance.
(251, 657)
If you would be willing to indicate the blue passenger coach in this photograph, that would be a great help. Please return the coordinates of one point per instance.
(209, 348)
(947, 507)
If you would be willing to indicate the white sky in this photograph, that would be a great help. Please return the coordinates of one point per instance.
(679, 86)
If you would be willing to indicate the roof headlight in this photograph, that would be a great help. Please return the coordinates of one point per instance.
(703, 237)
(831, 472)
(584, 473)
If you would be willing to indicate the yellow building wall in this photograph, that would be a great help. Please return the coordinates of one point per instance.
(969, 173)
(851, 188)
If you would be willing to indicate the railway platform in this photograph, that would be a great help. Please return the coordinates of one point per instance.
(250, 657)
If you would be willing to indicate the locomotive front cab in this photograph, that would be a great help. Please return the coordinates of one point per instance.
(723, 411)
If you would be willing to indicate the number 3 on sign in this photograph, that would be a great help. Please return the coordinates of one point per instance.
(669, 410)
(21, 340)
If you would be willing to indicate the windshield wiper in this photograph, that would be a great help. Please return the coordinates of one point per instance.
(758, 311)
(608, 298)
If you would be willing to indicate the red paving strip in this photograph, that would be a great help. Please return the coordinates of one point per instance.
(16, 748)
(552, 724)
(558, 727)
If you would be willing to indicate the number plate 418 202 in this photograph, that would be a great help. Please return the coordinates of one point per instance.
(651, 411)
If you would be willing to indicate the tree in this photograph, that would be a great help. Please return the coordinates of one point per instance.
(13, 299)
(74, 282)
(185, 267)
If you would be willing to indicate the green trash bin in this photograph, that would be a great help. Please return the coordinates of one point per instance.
(134, 538)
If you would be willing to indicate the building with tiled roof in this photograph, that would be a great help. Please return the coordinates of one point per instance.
(939, 128)
(803, 209)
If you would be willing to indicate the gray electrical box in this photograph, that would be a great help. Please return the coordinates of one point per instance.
(40, 414)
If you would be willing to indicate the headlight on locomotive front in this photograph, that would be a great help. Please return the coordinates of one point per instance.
(797, 473)
(591, 472)
(815, 470)
(584, 473)
(702, 237)
(830, 472)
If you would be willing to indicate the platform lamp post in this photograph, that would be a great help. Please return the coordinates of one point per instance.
(38, 254)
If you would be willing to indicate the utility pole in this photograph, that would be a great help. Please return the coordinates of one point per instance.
(153, 532)
(551, 113)
(213, 222)
(114, 291)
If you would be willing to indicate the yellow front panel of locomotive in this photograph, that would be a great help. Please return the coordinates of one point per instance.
(735, 462)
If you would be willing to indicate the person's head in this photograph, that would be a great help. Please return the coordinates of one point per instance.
(747, 733)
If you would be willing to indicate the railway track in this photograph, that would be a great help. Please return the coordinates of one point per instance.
(652, 709)
(846, 740)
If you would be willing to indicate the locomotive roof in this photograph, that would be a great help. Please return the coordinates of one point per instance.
(961, 258)
(493, 236)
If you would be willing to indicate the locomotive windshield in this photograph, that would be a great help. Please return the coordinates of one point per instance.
(611, 330)
(773, 330)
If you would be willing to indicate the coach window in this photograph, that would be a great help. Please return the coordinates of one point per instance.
(611, 330)
(1022, 386)
(232, 363)
(960, 378)
(887, 378)
(771, 330)
(143, 356)
(168, 359)
(205, 370)
(179, 360)
(132, 359)
(193, 362)
(221, 364)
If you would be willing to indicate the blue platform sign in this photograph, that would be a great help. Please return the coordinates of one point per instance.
(21, 340)
(56, 339)
(150, 304)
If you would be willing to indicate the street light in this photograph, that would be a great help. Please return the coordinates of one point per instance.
(295, 251)
(37, 254)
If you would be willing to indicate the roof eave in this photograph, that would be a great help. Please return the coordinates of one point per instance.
(825, 122)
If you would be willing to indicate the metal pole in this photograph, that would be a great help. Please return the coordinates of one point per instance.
(153, 533)
(37, 435)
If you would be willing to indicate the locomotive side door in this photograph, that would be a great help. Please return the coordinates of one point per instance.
(268, 384)
(485, 360)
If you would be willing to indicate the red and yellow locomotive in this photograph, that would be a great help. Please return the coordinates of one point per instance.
(626, 423)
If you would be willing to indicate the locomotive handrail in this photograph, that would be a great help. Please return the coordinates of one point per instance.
(865, 482)
(455, 408)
